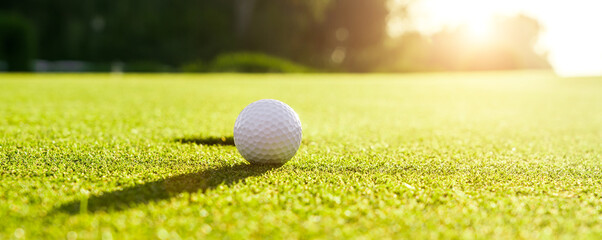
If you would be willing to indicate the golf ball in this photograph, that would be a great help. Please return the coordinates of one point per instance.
(267, 132)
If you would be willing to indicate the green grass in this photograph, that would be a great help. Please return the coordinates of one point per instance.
(477, 155)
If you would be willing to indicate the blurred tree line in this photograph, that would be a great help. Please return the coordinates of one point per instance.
(510, 44)
(331, 35)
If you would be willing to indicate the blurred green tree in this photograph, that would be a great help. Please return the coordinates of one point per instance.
(17, 42)
(340, 34)
(129, 30)
(356, 33)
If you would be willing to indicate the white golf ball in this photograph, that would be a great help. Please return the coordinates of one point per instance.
(267, 132)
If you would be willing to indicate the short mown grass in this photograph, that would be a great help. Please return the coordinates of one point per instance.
(448, 155)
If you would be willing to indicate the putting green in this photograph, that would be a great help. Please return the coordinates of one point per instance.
(447, 155)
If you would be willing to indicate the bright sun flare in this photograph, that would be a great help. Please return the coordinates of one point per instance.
(570, 35)
(479, 32)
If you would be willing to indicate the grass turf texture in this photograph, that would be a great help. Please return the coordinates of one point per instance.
(485, 155)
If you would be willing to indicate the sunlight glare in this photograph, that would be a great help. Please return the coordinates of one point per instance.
(570, 29)
(479, 32)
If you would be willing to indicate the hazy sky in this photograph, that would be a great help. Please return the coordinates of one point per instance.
(572, 29)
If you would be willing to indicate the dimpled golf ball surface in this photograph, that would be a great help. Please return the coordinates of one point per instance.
(267, 132)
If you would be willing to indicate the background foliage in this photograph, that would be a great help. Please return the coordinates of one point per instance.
(333, 35)
(17, 42)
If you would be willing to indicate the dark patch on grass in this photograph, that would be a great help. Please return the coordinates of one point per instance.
(165, 188)
(210, 141)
